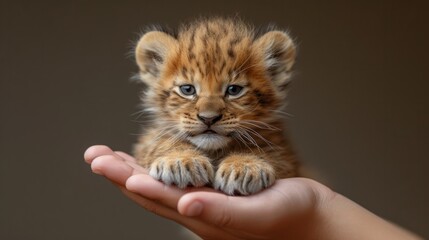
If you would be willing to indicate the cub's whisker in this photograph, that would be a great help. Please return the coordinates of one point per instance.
(270, 144)
(260, 125)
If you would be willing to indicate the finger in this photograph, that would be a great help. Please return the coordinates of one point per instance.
(113, 168)
(137, 168)
(151, 205)
(200, 228)
(151, 188)
(227, 211)
(131, 161)
(95, 151)
(126, 156)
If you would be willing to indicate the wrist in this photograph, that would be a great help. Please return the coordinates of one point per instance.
(337, 217)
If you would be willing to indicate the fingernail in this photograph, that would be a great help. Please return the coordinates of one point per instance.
(194, 209)
(97, 171)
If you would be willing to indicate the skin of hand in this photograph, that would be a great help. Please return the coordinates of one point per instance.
(294, 208)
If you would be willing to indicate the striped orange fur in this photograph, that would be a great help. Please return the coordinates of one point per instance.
(216, 91)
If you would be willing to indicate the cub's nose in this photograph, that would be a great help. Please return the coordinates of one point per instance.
(209, 120)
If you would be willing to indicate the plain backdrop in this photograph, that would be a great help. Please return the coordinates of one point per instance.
(359, 103)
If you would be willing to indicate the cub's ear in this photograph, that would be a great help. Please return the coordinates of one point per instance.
(152, 51)
(278, 52)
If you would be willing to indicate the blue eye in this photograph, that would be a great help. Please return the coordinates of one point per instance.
(234, 90)
(187, 89)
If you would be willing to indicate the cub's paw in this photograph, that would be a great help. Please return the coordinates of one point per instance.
(243, 174)
(183, 171)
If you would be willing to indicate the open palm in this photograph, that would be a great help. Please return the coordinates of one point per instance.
(210, 214)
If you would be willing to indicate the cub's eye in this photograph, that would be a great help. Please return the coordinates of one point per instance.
(187, 89)
(234, 90)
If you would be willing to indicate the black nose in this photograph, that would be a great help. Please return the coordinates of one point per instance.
(209, 120)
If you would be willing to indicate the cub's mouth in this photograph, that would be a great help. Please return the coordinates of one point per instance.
(209, 131)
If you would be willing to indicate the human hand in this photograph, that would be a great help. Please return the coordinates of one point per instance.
(287, 209)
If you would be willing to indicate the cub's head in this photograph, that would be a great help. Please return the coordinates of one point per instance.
(215, 81)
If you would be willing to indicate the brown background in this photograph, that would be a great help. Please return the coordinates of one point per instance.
(360, 103)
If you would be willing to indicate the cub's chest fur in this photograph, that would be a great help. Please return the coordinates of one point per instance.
(216, 91)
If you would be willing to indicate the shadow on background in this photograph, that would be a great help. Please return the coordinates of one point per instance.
(359, 100)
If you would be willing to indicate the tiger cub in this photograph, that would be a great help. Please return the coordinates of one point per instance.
(216, 90)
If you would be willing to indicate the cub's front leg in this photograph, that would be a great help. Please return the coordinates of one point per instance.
(182, 168)
(244, 174)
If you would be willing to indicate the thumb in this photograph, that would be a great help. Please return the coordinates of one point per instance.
(224, 211)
